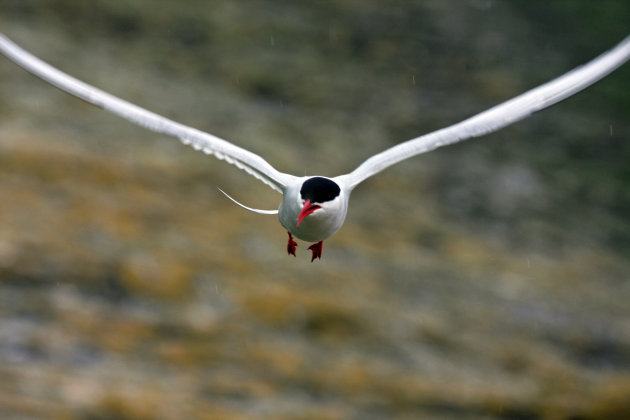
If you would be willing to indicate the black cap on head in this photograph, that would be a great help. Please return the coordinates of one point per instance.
(319, 190)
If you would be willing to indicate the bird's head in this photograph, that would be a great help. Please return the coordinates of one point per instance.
(313, 208)
(318, 194)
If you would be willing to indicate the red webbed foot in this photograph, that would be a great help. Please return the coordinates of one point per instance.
(316, 249)
(291, 245)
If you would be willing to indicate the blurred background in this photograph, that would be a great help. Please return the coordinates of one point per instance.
(488, 280)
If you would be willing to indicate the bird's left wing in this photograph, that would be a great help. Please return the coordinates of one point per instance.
(209, 144)
(497, 117)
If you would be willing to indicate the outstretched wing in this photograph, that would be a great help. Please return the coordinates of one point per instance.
(209, 144)
(497, 117)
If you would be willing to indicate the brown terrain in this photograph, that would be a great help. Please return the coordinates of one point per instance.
(488, 280)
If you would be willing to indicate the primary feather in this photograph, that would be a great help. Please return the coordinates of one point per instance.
(497, 117)
(199, 140)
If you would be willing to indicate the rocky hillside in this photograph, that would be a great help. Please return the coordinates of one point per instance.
(486, 280)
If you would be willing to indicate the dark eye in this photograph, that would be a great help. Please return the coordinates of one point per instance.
(319, 190)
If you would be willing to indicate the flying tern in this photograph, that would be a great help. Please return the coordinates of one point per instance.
(313, 208)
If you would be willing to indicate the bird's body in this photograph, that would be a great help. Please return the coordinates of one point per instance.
(322, 222)
(314, 208)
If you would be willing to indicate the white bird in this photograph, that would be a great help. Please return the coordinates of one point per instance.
(313, 208)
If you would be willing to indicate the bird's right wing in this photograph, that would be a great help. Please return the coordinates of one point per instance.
(199, 140)
(497, 117)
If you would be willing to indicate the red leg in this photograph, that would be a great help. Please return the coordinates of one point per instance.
(291, 245)
(316, 249)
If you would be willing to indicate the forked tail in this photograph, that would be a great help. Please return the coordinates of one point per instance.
(249, 208)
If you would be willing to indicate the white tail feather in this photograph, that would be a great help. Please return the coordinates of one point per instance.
(249, 208)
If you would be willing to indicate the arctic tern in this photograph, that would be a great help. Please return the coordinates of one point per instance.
(313, 208)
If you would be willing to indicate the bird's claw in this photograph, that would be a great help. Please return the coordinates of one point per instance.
(291, 245)
(316, 249)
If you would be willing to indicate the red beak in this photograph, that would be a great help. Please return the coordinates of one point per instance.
(307, 209)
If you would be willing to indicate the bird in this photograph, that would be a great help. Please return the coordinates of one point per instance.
(313, 208)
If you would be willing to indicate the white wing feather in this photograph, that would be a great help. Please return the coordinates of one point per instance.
(497, 117)
(199, 140)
